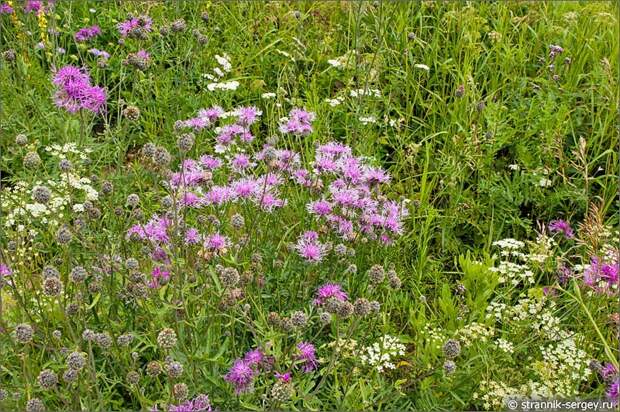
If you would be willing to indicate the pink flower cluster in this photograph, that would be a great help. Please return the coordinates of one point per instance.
(243, 371)
(135, 25)
(200, 403)
(298, 122)
(74, 91)
(351, 202)
(602, 277)
(561, 226)
(307, 356)
(6, 8)
(87, 33)
(329, 291)
(309, 247)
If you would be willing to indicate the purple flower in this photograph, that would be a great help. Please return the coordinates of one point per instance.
(104, 55)
(241, 376)
(554, 50)
(319, 207)
(283, 377)
(160, 277)
(612, 391)
(327, 291)
(246, 116)
(602, 277)
(298, 122)
(192, 236)
(5, 8)
(216, 242)
(210, 162)
(70, 75)
(307, 354)
(33, 5)
(561, 226)
(74, 91)
(200, 403)
(608, 371)
(254, 357)
(4, 271)
(309, 247)
(135, 27)
(87, 33)
(240, 162)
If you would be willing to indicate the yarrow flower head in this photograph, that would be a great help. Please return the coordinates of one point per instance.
(328, 291)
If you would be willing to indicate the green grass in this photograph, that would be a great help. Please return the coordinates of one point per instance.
(449, 153)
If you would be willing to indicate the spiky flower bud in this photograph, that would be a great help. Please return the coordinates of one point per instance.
(76, 360)
(70, 375)
(299, 319)
(41, 194)
(35, 405)
(180, 391)
(78, 274)
(167, 338)
(451, 349)
(131, 113)
(449, 367)
(376, 274)
(133, 377)
(153, 369)
(52, 286)
(32, 160)
(47, 379)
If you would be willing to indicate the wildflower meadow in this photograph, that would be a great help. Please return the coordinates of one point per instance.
(308, 206)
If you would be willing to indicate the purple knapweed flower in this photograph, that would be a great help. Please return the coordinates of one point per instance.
(309, 247)
(6, 8)
(307, 354)
(87, 33)
(216, 242)
(241, 376)
(561, 226)
(200, 403)
(246, 116)
(328, 291)
(283, 377)
(135, 26)
(33, 6)
(299, 122)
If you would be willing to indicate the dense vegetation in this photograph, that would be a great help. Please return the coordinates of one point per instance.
(307, 205)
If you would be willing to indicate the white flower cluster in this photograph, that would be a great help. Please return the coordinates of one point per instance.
(541, 249)
(495, 394)
(514, 273)
(475, 331)
(343, 61)
(505, 345)
(381, 354)
(23, 214)
(563, 368)
(68, 150)
(368, 119)
(220, 71)
(365, 92)
(336, 101)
